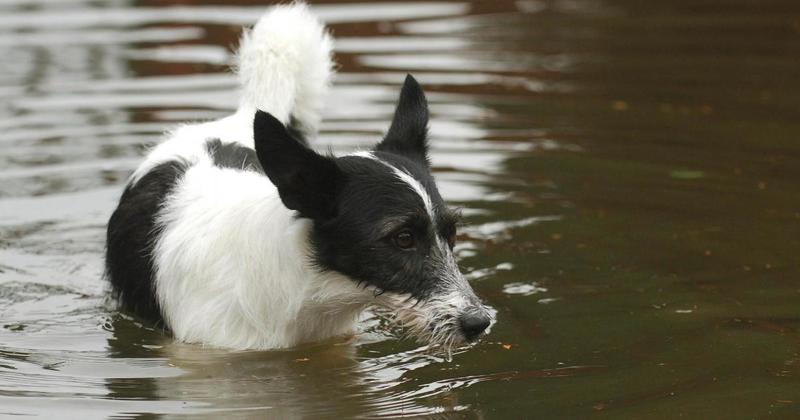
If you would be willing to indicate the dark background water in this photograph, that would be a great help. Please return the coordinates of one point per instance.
(628, 170)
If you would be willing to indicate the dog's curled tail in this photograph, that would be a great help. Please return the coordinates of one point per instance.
(285, 66)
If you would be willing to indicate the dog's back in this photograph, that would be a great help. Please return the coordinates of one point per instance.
(183, 229)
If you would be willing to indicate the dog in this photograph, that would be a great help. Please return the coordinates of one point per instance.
(235, 234)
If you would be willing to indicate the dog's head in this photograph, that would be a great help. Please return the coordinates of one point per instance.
(380, 220)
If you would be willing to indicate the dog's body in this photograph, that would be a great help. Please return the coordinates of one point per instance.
(234, 234)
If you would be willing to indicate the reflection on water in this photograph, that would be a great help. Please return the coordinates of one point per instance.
(627, 171)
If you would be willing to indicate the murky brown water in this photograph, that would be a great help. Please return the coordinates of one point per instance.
(629, 171)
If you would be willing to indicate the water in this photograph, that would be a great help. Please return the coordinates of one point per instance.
(628, 171)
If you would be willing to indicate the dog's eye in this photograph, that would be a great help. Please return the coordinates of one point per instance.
(405, 240)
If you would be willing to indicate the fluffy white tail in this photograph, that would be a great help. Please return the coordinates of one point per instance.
(285, 66)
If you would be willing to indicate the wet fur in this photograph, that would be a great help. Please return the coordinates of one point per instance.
(233, 233)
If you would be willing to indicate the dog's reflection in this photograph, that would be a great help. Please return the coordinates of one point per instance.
(338, 377)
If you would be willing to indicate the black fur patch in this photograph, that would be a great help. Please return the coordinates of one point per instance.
(232, 155)
(360, 207)
(408, 134)
(307, 182)
(373, 207)
(131, 236)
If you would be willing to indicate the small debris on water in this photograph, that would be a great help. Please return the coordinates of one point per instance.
(619, 106)
(524, 289)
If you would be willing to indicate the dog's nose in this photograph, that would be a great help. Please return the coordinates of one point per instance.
(473, 324)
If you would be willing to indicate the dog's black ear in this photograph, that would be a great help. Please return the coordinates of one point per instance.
(307, 182)
(408, 134)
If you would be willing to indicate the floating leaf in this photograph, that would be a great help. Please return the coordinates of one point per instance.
(687, 174)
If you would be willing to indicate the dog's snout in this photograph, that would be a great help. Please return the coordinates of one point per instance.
(473, 324)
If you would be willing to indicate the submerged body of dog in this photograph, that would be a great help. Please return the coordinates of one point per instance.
(234, 234)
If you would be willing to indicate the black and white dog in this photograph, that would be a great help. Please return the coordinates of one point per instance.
(234, 233)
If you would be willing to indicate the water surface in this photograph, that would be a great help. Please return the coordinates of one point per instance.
(628, 171)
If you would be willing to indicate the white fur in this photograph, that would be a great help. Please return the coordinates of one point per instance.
(232, 268)
(285, 68)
